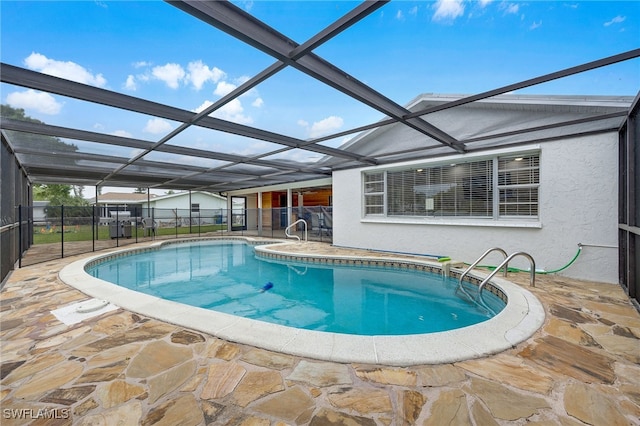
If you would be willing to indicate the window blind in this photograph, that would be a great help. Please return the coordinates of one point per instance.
(488, 188)
(518, 184)
(452, 190)
(374, 193)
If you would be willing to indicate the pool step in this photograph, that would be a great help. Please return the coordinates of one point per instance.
(448, 264)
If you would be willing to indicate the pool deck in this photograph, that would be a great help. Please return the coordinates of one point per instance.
(581, 367)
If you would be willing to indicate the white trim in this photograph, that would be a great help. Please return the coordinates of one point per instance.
(461, 158)
(447, 221)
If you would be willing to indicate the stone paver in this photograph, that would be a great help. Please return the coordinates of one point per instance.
(581, 368)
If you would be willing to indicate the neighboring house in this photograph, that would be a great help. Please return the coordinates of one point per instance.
(195, 207)
(39, 214)
(543, 191)
(112, 204)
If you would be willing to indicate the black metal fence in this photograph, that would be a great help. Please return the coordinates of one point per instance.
(54, 232)
(629, 205)
(14, 190)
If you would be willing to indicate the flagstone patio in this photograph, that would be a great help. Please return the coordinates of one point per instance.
(581, 367)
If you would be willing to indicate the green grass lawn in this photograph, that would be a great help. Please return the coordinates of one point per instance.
(83, 232)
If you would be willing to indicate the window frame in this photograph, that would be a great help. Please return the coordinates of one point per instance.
(499, 186)
(371, 194)
(497, 189)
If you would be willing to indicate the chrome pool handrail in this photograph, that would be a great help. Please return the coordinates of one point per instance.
(485, 254)
(532, 280)
(286, 231)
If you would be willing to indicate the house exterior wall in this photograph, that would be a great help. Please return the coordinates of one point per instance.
(182, 202)
(177, 208)
(578, 204)
(39, 214)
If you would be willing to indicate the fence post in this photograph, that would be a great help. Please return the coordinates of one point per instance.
(190, 212)
(93, 228)
(19, 236)
(136, 220)
(62, 230)
(117, 228)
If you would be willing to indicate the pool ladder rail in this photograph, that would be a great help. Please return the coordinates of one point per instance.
(504, 265)
(286, 231)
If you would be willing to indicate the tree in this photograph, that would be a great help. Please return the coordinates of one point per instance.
(60, 195)
(140, 190)
(57, 195)
(41, 142)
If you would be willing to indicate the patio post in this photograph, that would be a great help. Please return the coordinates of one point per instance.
(19, 235)
(260, 213)
(62, 230)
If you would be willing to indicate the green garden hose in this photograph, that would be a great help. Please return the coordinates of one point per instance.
(490, 267)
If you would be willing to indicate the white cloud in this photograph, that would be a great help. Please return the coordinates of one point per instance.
(510, 8)
(247, 5)
(484, 3)
(303, 123)
(170, 73)
(131, 83)
(400, 15)
(258, 103)
(200, 73)
(617, 20)
(232, 111)
(141, 64)
(535, 25)
(203, 106)
(67, 70)
(122, 133)
(448, 9)
(242, 79)
(32, 100)
(157, 126)
(413, 11)
(224, 88)
(326, 126)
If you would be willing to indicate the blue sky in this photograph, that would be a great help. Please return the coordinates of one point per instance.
(152, 50)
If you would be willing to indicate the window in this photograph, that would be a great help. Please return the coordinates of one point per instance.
(451, 190)
(488, 188)
(374, 193)
(518, 182)
(195, 207)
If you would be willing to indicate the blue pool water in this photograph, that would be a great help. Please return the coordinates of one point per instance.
(226, 276)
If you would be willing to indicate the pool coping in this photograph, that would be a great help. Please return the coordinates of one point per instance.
(520, 319)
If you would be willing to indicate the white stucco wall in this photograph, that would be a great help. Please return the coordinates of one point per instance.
(578, 204)
(181, 201)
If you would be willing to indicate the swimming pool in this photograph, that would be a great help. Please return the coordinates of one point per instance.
(519, 319)
(227, 276)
